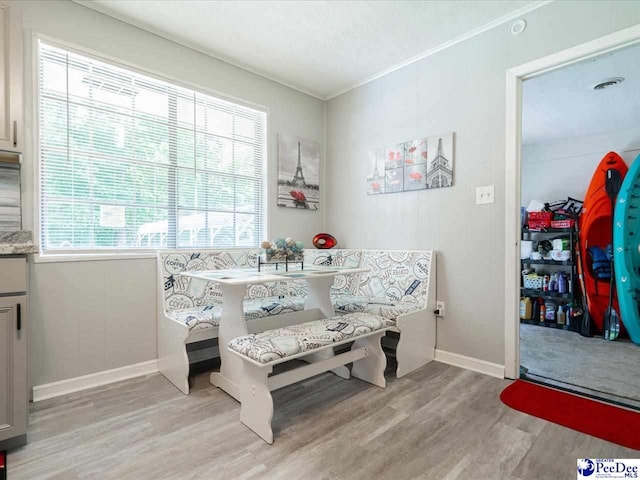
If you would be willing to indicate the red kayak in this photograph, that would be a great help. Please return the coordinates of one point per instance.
(596, 230)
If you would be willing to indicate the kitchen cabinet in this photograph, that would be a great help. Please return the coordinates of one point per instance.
(13, 352)
(11, 95)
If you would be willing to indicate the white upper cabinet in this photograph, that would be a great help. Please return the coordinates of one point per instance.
(11, 126)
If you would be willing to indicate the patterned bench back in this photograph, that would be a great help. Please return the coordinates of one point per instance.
(345, 284)
(395, 275)
(184, 292)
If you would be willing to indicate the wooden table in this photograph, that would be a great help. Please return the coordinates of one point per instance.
(233, 284)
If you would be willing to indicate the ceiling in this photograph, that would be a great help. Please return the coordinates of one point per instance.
(562, 103)
(322, 48)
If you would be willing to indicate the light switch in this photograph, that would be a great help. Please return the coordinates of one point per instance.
(485, 195)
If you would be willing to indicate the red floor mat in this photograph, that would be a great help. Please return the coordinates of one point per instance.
(604, 421)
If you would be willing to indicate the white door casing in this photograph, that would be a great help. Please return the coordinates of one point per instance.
(514, 79)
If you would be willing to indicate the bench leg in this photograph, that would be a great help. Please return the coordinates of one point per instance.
(370, 368)
(417, 343)
(256, 409)
(173, 361)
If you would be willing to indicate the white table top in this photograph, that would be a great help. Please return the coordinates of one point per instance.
(245, 276)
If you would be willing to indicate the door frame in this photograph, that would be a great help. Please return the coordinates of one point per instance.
(515, 77)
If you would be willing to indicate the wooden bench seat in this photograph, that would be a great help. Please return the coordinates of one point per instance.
(262, 351)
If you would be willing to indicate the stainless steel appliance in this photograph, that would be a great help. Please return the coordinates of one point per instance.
(10, 204)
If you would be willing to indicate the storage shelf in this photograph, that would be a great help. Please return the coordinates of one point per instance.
(566, 266)
(549, 230)
(547, 325)
(529, 292)
(547, 262)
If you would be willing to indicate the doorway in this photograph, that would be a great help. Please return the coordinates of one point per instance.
(561, 356)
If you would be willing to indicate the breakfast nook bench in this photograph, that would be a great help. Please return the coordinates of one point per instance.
(262, 351)
(398, 285)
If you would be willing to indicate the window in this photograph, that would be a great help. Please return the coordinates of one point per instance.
(131, 162)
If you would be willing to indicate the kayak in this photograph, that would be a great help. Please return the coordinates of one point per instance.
(596, 230)
(626, 250)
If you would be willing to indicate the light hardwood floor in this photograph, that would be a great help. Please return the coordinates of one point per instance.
(440, 422)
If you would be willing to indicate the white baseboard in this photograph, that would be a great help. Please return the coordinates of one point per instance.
(71, 385)
(470, 363)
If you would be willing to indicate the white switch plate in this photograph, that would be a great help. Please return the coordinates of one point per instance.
(485, 195)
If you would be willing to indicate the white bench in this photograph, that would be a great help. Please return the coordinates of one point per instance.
(261, 352)
(189, 309)
(400, 286)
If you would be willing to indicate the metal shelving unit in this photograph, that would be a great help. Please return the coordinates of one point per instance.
(569, 266)
(549, 325)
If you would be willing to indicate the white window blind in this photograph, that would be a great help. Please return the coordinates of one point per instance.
(128, 161)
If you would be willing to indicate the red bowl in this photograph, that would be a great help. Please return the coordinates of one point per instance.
(324, 241)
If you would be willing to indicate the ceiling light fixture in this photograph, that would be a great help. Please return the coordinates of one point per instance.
(609, 82)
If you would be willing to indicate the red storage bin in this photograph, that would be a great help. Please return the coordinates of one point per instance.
(539, 220)
(568, 223)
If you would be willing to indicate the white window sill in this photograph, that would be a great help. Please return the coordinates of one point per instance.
(90, 257)
(133, 255)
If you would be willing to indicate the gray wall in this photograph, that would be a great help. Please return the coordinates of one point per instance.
(460, 89)
(560, 169)
(96, 315)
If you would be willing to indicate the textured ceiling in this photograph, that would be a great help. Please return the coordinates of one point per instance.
(562, 103)
(319, 47)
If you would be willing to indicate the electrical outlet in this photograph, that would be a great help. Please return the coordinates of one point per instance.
(485, 195)
(440, 308)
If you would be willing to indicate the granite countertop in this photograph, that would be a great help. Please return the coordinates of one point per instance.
(17, 242)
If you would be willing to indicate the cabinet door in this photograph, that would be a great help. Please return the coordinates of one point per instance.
(13, 367)
(10, 78)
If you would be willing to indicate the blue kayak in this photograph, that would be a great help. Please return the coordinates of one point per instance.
(626, 248)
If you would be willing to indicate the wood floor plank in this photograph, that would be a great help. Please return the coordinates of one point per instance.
(439, 422)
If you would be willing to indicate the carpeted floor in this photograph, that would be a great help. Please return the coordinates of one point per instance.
(609, 367)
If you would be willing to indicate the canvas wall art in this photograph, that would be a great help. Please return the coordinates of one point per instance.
(419, 164)
(298, 172)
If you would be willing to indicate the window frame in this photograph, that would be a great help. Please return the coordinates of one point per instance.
(132, 253)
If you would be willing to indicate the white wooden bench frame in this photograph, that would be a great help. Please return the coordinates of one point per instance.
(417, 344)
(256, 410)
(415, 348)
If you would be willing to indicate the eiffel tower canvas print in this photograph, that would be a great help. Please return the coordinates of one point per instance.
(420, 164)
(440, 161)
(298, 172)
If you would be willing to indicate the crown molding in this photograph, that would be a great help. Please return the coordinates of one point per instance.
(443, 46)
(416, 58)
(167, 36)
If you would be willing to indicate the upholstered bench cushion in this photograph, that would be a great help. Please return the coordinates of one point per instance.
(342, 284)
(388, 309)
(197, 318)
(201, 318)
(276, 344)
(186, 293)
